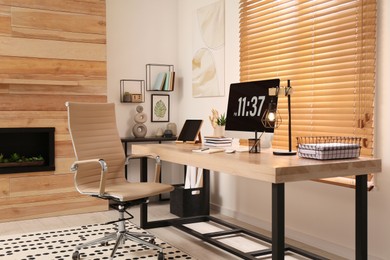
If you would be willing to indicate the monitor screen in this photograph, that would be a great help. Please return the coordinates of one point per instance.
(248, 101)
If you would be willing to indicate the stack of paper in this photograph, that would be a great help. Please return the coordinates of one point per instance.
(194, 179)
(218, 141)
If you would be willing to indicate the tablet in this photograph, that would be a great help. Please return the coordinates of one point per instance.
(190, 130)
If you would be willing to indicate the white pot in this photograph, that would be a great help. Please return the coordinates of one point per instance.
(219, 131)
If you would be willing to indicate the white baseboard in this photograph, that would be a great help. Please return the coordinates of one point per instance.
(316, 242)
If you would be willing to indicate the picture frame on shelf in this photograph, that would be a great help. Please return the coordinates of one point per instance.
(160, 108)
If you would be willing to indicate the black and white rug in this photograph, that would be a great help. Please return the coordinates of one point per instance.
(60, 244)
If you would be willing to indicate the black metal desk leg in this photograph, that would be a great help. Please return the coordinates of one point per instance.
(143, 178)
(361, 216)
(277, 221)
(125, 147)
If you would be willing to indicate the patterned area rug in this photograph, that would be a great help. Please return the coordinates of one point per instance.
(60, 244)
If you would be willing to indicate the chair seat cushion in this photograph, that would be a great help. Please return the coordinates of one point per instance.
(133, 191)
(126, 191)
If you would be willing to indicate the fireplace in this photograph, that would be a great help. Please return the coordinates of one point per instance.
(33, 145)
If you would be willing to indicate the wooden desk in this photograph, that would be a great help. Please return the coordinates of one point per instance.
(279, 170)
(148, 139)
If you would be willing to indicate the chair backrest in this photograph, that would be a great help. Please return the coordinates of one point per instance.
(94, 134)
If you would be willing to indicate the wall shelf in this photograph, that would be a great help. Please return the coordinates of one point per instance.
(160, 77)
(132, 91)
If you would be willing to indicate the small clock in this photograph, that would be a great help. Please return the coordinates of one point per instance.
(136, 98)
(249, 106)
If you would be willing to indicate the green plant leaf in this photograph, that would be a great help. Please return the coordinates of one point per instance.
(160, 109)
(221, 120)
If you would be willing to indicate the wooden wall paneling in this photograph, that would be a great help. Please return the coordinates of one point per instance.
(64, 149)
(4, 88)
(5, 20)
(34, 119)
(48, 49)
(16, 82)
(4, 188)
(51, 51)
(49, 205)
(43, 89)
(94, 7)
(58, 36)
(57, 21)
(63, 164)
(48, 102)
(38, 185)
(8, 176)
(33, 86)
(51, 69)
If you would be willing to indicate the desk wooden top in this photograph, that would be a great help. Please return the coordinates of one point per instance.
(262, 166)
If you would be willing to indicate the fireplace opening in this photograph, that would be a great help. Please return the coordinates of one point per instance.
(34, 146)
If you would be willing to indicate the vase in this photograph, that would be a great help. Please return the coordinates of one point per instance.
(219, 131)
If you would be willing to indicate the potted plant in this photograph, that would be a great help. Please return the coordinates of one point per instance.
(218, 122)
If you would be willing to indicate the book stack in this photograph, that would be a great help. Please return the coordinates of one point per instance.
(218, 141)
(164, 81)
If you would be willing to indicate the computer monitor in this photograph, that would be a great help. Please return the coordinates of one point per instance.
(248, 101)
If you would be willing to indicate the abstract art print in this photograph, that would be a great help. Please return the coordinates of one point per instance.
(209, 50)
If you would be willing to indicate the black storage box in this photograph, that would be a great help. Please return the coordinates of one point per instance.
(184, 203)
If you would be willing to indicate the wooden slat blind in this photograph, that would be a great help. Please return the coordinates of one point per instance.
(328, 51)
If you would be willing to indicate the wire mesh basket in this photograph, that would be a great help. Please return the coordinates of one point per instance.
(328, 147)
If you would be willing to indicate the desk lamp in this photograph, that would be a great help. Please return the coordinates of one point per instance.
(272, 119)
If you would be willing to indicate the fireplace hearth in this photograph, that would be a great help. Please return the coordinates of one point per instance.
(28, 142)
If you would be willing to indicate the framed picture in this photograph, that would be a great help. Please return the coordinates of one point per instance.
(160, 108)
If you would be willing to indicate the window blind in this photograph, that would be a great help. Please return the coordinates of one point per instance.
(328, 51)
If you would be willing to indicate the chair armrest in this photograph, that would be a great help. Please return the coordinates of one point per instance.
(103, 170)
(157, 169)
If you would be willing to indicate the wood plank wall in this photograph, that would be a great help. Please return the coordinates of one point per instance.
(51, 51)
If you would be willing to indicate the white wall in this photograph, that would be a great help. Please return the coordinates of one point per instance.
(318, 214)
(139, 33)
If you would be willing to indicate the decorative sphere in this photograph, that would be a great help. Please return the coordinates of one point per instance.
(139, 130)
(139, 109)
(140, 118)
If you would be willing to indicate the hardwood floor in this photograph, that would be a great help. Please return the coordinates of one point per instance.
(193, 246)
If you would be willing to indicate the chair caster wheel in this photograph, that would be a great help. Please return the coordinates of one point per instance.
(160, 256)
(104, 243)
(76, 255)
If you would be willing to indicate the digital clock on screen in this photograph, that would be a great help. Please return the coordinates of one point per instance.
(250, 106)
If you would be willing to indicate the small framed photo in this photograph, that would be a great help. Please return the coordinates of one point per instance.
(160, 108)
